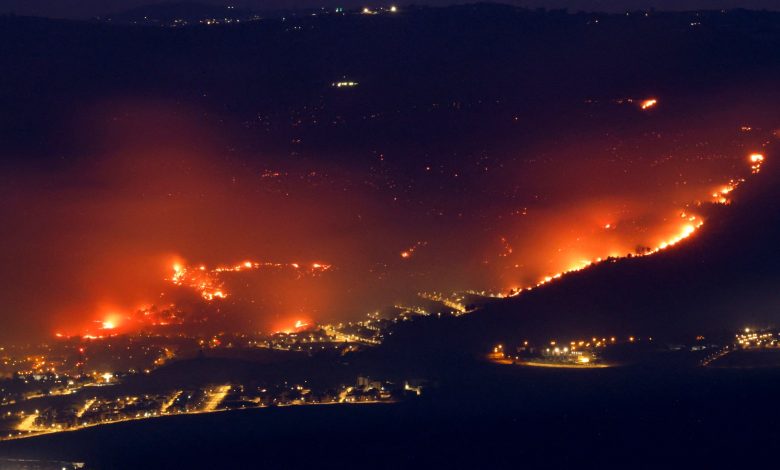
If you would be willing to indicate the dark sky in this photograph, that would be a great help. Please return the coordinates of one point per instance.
(90, 8)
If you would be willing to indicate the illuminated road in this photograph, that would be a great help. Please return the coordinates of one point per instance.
(710, 359)
(551, 365)
(31, 431)
(84, 409)
(340, 337)
(28, 424)
(344, 393)
(562, 366)
(215, 398)
(170, 402)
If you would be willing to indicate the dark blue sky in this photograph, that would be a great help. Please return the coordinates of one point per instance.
(90, 8)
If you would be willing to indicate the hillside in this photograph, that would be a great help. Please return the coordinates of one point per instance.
(718, 281)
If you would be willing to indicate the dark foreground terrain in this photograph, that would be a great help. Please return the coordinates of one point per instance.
(625, 417)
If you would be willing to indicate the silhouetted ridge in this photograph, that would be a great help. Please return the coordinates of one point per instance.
(723, 278)
(187, 11)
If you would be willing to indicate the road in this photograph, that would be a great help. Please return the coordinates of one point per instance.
(215, 397)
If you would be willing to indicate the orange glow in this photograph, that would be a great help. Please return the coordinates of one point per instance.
(209, 285)
(647, 104)
(407, 253)
(756, 160)
(688, 228)
(544, 248)
(297, 325)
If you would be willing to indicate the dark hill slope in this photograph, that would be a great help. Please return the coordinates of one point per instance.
(725, 277)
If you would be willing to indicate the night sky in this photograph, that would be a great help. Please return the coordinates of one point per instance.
(91, 8)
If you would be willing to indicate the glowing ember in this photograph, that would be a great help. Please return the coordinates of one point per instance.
(507, 248)
(647, 104)
(756, 160)
(410, 251)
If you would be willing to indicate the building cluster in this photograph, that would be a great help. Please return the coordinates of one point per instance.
(231, 15)
(751, 338)
(103, 407)
(580, 352)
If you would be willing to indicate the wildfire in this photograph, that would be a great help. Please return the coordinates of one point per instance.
(647, 104)
(209, 284)
(756, 160)
(297, 326)
(690, 225)
(686, 231)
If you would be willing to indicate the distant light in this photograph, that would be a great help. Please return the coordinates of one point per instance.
(393, 9)
(647, 104)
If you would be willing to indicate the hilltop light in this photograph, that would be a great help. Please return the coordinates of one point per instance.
(393, 9)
